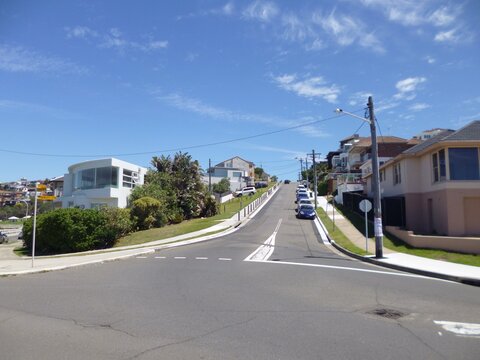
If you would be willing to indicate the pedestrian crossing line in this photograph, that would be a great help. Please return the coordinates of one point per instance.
(185, 258)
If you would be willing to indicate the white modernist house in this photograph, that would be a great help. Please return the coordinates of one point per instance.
(103, 182)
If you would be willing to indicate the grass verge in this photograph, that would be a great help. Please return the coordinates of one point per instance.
(227, 210)
(393, 243)
(338, 236)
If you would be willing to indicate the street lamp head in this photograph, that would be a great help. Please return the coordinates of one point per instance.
(338, 111)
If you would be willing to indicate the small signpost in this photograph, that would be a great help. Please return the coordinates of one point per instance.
(365, 205)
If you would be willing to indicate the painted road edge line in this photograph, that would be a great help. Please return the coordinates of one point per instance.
(459, 328)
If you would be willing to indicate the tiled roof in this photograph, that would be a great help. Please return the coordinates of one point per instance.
(429, 142)
(468, 133)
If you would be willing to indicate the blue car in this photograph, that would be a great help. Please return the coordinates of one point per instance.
(301, 196)
(306, 211)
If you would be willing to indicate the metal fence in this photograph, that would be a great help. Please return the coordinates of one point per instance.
(393, 208)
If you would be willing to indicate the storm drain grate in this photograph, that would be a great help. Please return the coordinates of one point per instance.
(387, 313)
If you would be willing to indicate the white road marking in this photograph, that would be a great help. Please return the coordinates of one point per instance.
(201, 258)
(180, 257)
(440, 333)
(160, 257)
(264, 251)
(350, 269)
(141, 257)
(460, 329)
(224, 259)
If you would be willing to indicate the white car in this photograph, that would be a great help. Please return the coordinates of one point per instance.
(249, 190)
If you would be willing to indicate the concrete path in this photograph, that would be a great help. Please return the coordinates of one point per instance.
(406, 262)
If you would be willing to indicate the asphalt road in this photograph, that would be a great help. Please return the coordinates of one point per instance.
(204, 301)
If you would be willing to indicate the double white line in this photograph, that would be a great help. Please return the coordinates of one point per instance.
(263, 252)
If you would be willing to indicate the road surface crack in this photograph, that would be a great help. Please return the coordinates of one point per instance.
(192, 338)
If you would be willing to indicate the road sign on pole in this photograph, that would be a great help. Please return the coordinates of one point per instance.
(365, 205)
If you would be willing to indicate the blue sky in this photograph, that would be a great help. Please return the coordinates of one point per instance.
(85, 79)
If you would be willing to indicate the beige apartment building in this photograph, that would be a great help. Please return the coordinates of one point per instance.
(439, 180)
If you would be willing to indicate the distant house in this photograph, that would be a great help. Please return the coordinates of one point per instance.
(97, 183)
(438, 182)
(238, 171)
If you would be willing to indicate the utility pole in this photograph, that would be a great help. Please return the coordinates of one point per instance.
(315, 186)
(209, 175)
(306, 169)
(301, 168)
(377, 203)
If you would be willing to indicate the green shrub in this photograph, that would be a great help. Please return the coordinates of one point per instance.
(118, 223)
(147, 213)
(68, 230)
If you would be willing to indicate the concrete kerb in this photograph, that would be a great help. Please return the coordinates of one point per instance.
(463, 280)
(140, 249)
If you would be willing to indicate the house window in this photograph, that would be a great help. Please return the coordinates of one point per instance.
(397, 174)
(96, 178)
(439, 166)
(382, 175)
(130, 178)
(463, 163)
(236, 174)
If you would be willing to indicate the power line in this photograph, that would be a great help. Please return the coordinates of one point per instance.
(175, 149)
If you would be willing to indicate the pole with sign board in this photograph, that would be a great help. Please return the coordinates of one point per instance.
(365, 205)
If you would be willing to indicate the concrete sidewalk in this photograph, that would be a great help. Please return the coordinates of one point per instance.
(10, 264)
(400, 261)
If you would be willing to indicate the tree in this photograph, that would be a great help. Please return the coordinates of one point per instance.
(259, 172)
(222, 186)
(177, 184)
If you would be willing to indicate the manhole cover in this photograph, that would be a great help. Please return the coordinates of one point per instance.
(387, 313)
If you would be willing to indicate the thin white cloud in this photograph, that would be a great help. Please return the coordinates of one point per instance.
(346, 30)
(313, 87)
(196, 106)
(430, 59)
(359, 98)
(114, 39)
(406, 88)
(416, 13)
(453, 36)
(292, 153)
(80, 32)
(226, 10)
(21, 107)
(18, 59)
(259, 10)
(419, 107)
(191, 57)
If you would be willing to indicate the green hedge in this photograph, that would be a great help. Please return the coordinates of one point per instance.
(73, 230)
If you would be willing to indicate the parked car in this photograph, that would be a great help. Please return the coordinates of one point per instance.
(303, 201)
(286, 181)
(306, 211)
(249, 190)
(261, 184)
(302, 195)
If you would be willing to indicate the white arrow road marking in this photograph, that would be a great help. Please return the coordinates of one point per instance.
(460, 329)
(263, 252)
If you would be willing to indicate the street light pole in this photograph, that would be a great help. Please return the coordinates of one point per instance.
(377, 204)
